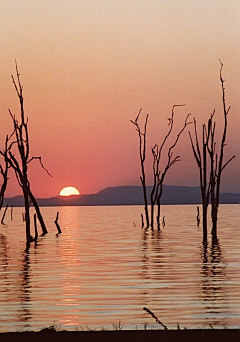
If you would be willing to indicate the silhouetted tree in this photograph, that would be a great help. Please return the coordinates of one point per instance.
(158, 175)
(142, 153)
(4, 172)
(201, 159)
(57, 225)
(210, 177)
(217, 165)
(2, 220)
(21, 140)
(35, 227)
(198, 216)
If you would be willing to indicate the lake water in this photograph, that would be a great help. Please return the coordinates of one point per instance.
(103, 269)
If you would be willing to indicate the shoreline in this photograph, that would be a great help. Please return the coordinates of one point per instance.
(125, 335)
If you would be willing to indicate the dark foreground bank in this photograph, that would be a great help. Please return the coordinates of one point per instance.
(125, 335)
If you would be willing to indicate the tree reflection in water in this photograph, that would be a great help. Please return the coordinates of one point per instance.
(4, 259)
(152, 267)
(151, 254)
(213, 283)
(145, 257)
(25, 289)
(16, 284)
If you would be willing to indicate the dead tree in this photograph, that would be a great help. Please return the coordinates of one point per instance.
(38, 212)
(163, 221)
(155, 166)
(2, 220)
(142, 153)
(210, 177)
(57, 225)
(21, 140)
(35, 227)
(158, 175)
(198, 216)
(201, 160)
(217, 165)
(4, 172)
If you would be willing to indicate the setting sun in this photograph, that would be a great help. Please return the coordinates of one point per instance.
(69, 191)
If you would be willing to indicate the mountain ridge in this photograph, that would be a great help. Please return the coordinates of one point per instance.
(127, 195)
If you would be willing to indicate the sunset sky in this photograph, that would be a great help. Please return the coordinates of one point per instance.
(88, 66)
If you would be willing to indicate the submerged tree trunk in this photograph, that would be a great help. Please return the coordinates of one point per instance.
(20, 163)
(38, 212)
(2, 221)
(159, 205)
(201, 159)
(145, 198)
(158, 213)
(27, 218)
(214, 220)
(35, 227)
(152, 200)
(217, 164)
(4, 172)
(57, 225)
(204, 213)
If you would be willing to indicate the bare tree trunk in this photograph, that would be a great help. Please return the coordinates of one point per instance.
(142, 154)
(20, 163)
(38, 212)
(158, 213)
(57, 225)
(2, 192)
(170, 161)
(152, 214)
(152, 199)
(198, 216)
(204, 213)
(35, 227)
(159, 205)
(145, 197)
(27, 218)
(201, 159)
(4, 214)
(217, 162)
(153, 195)
(214, 219)
(4, 173)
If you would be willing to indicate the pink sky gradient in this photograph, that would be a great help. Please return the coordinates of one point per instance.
(88, 66)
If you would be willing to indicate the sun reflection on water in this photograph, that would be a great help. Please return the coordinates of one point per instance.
(103, 269)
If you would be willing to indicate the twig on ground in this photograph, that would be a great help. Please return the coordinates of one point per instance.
(157, 320)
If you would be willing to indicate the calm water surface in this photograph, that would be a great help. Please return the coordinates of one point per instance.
(103, 269)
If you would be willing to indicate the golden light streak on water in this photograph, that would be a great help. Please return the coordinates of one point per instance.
(103, 269)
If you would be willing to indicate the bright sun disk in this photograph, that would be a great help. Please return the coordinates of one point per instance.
(69, 191)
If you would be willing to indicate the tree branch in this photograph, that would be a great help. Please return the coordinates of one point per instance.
(40, 161)
(227, 162)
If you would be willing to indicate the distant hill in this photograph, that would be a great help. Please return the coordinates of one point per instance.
(127, 195)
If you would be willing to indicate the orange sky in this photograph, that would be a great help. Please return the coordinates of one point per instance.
(88, 66)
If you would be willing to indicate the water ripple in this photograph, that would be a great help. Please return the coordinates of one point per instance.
(103, 269)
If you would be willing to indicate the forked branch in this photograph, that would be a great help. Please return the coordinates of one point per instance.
(40, 161)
